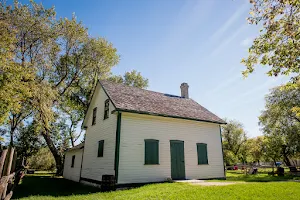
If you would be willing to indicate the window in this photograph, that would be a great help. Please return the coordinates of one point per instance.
(73, 161)
(202, 153)
(151, 152)
(106, 109)
(100, 148)
(94, 116)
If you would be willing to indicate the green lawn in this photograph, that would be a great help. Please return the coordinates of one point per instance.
(261, 176)
(47, 187)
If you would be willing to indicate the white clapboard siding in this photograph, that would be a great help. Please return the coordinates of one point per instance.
(72, 173)
(94, 167)
(135, 128)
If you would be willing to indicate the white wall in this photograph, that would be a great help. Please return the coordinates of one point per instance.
(72, 173)
(94, 167)
(136, 127)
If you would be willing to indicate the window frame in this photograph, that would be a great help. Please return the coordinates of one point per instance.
(148, 155)
(198, 150)
(73, 161)
(94, 119)
(106, 109)
(100, 155)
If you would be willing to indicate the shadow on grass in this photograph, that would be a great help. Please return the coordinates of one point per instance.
(45, 185)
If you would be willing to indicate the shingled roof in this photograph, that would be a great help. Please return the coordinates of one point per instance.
(132, 99)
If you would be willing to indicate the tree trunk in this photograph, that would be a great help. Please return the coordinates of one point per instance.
(288, 162)
(11, 137)
(56, 154)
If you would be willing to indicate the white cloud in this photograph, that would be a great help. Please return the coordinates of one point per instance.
(220, 47)
(236, 15)
(256, 92)
(190, 17)
(246, 42)
(223, 85)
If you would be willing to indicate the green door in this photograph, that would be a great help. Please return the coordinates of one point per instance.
(177, 159)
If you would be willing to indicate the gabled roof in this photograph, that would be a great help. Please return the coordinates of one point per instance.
(132, 99)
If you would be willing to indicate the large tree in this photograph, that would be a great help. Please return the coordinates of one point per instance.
(280, 124)
(64, 64)
(15, 83)
(279, 42)
(234, 138)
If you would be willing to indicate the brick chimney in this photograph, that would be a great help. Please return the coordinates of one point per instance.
(184, 90)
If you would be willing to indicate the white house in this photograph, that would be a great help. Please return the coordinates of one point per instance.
(141, 136)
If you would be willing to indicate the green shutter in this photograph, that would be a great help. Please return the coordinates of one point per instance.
(202, 153)
(151, 151)
(100, 148)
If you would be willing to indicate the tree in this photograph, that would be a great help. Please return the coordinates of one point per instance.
(15, 82)
(279, 43)
(280, 124)
(233, 138)
(244, 153)
(27, 141)
(42, 160)
(272, 150)
(256, 148)
(64, 63)
(132, 78)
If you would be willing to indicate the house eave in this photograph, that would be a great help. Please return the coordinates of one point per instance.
(164, 115)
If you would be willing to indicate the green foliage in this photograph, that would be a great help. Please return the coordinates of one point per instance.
(272, 149)
(281, 126)
(132, 78)
(230, 158)
(279, 43)
(234, 138)
(51, 67)
(42, 160)
(15, 83)
(27, 142)
(256, 148)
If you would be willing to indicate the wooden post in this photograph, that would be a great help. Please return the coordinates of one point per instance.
(2, 160)
(7, 168)
(14, 162)
(8, 197)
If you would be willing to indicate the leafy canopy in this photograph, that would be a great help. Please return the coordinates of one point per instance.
(233, 139)
(48, 71)
(279, 42)
(132, 78)
(280, 124)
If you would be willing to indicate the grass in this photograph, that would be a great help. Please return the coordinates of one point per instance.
(47, 187)
(261, 176)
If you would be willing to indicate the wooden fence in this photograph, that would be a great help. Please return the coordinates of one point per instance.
(249, 169)
(9, 173)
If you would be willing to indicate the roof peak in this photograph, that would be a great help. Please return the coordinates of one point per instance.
(137, 100)
(130, 86)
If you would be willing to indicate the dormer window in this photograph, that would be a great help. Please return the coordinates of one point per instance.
(106, 109)
(94, 116)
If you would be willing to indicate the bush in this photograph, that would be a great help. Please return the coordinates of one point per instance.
(42, 160)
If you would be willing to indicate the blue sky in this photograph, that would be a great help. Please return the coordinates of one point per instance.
(173, 41)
